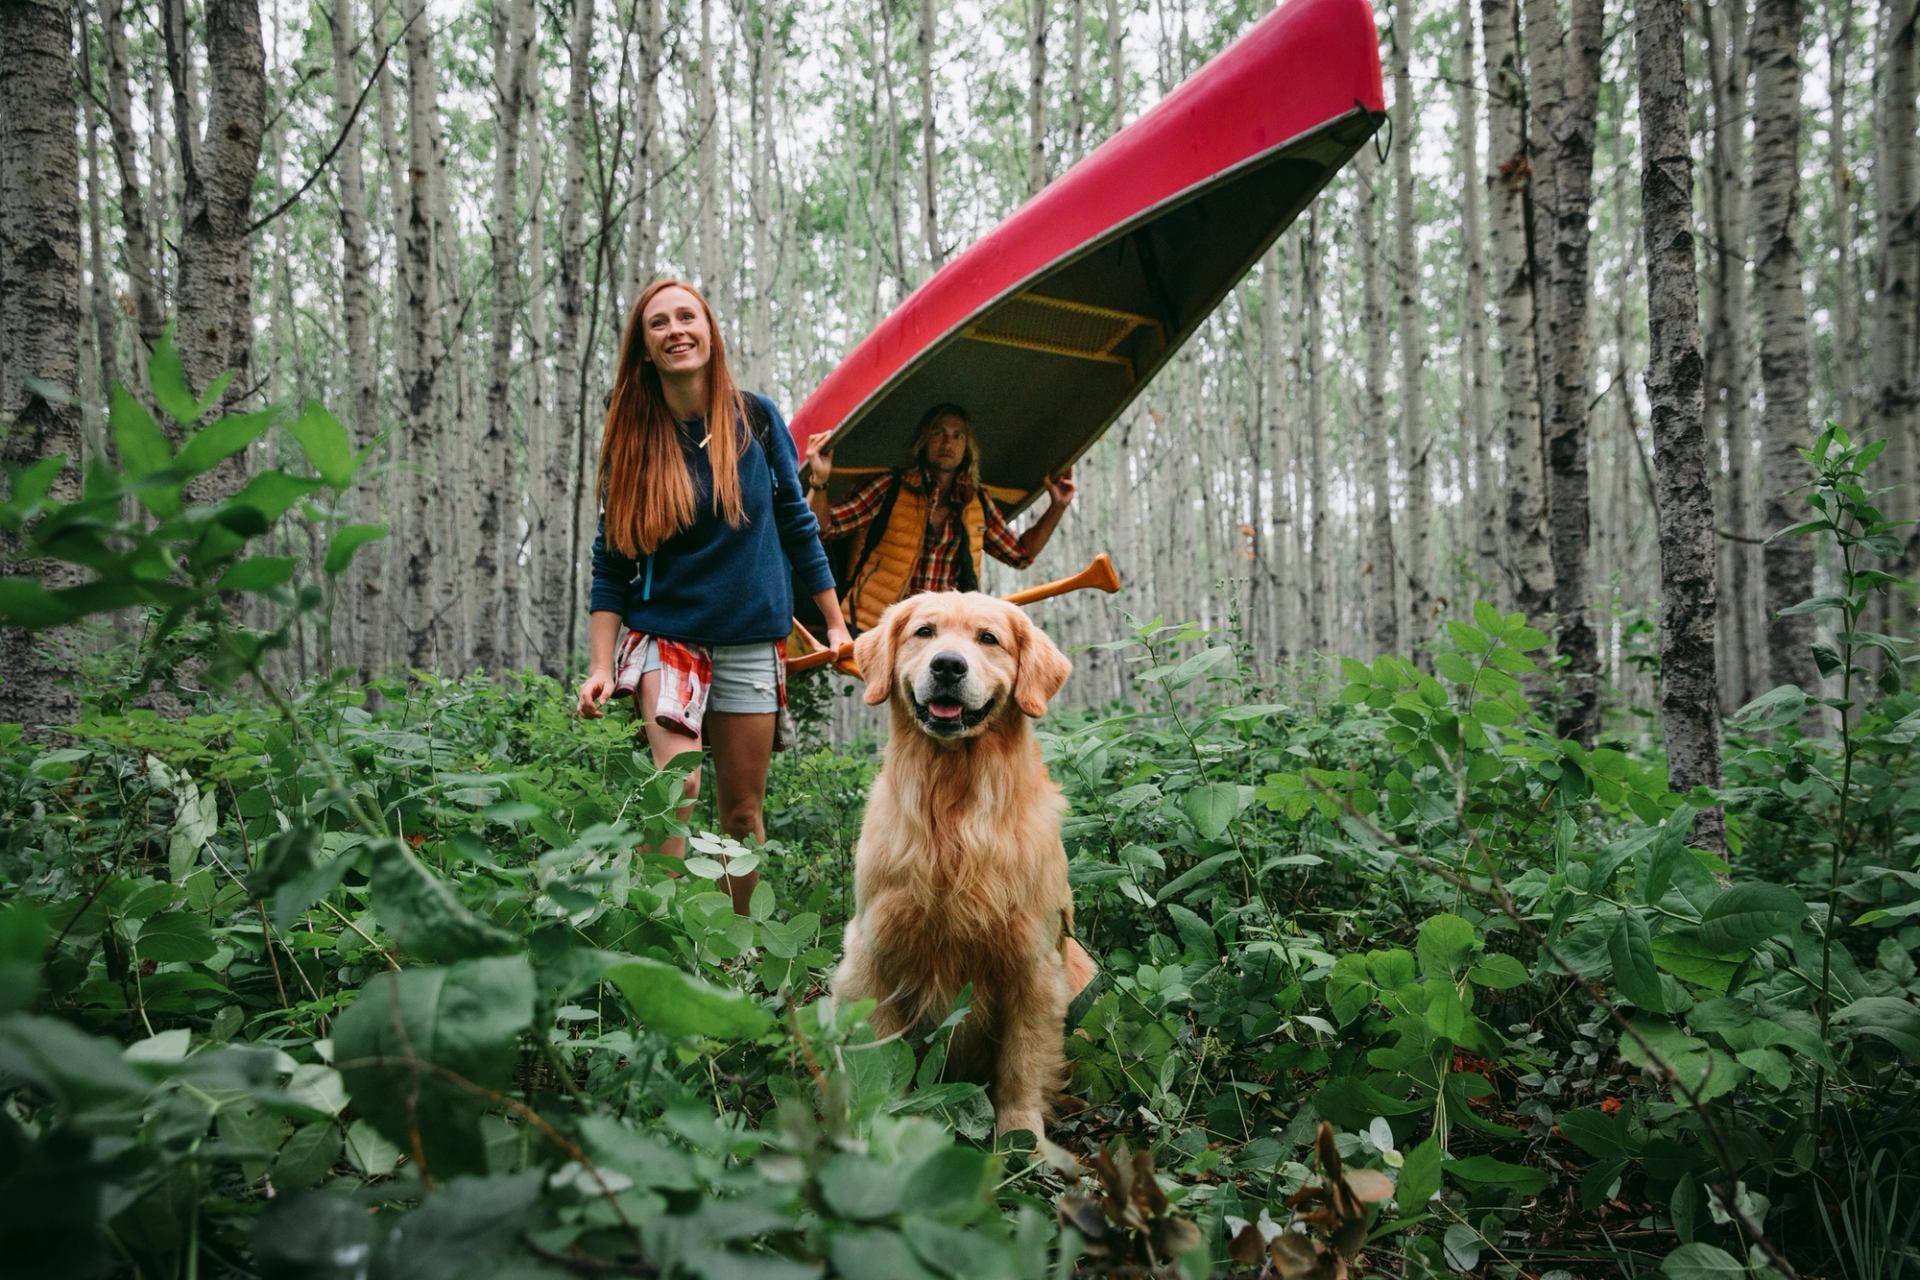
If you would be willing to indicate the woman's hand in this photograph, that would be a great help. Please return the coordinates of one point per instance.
(594, 692)
(819, 460)
(1061, 488)
(837, 636)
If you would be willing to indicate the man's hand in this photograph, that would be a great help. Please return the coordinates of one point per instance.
(1061, 488)
(819, 460)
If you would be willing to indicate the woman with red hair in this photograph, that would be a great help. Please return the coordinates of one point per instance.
(703, 530)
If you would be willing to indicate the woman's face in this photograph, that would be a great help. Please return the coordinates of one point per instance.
(678, 338)
(946, 446)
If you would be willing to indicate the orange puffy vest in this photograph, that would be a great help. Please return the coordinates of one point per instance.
(889, 569)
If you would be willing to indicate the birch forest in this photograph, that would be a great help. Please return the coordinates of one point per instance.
(1456, 659)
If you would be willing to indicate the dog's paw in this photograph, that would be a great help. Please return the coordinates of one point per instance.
(1010, 1122)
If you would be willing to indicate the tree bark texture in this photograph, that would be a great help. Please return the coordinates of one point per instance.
(1418, 539)
(356, 268)
(561, 618)
(1036, 95)
(147, 316)
(926, 42)
(1781, 303)
(1476, 408)
(1383, 629)
(423, 354)
(1566, 75)
(1689, 689)
(39, 326)
(1528, 565)
(1725, 28)
(215, 295)
(1896, 392)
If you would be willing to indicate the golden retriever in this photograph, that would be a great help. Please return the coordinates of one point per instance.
(960, 876)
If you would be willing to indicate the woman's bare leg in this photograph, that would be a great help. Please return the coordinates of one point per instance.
(742, 743)
(665, 744)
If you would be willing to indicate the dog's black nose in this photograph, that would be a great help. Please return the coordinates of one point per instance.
(948, 666)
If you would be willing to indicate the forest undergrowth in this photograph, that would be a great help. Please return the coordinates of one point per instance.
(345, 981)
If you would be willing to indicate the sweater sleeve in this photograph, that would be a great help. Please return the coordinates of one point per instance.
(612, 576)
(799, 530)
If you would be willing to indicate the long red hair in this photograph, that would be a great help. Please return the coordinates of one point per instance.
(646, 493)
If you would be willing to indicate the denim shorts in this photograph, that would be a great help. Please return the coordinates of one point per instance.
(745, 676)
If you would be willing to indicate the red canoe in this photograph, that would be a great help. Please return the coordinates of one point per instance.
(1048, 327)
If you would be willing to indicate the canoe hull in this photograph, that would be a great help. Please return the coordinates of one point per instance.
(1049, 326)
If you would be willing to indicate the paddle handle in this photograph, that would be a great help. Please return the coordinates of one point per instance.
(1099, 575)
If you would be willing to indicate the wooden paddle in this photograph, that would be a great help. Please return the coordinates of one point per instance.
(1098, 575)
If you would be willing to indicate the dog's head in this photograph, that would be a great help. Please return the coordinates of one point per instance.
(957, 661)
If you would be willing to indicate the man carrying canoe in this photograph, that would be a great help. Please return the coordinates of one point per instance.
(915, 517)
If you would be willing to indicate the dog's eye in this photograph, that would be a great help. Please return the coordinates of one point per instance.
(987, 637)
(924, 630)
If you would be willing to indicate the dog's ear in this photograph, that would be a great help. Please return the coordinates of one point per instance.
(1043, 668)
(873, 654)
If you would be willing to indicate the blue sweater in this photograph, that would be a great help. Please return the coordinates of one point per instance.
(711, 583)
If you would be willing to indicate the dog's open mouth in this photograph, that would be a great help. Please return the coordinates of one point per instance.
(941, 715)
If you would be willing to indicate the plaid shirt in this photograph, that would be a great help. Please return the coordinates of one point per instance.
(937, 568)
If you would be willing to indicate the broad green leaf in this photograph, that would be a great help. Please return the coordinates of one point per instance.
(858, 1188)
(1498, 970)
(1486, 1171)
(349, 539)
(1634, 975)
(325, 442)
(1777, 707)
(1452, 666)
(23, 945)
(258, 573)
(1681, 953)
(1749, 914)
(66, 1063)
(1596, 1133)
(270, 494)
(1419, 1177)
(1886, 1017)
(421, 912)
(1699, 1261)
(1446, 1015)
(1196, 935)
(466, 1021)
(1192, 668)
(1445, 945)
(168, 381)
(221, 439)
(177, 935)
(1212, 805)
(30, 606)
(675, 1003)
(142, 446)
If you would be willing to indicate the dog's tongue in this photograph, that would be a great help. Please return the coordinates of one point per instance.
(944, 710)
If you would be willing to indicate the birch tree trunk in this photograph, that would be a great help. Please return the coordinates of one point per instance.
(100, 290)
(641, 243)
(1726, 339)
(1077, 83)
(1036, 96)
(927, 41)
(148, 320)
(550, 508)
(356, 268)
(1116, 68)
(424, 355)
(39, 327)
(1383, 630)
(1476, 409)
(215, 297)
(1896, 396)
(1320, 593)
(712, 252)
(1565, 74)
(1846, 305)
(1787, 563)
(1528, 568)
(1418, 541)
(512, 37)
(560, 618)
(1689, 690)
